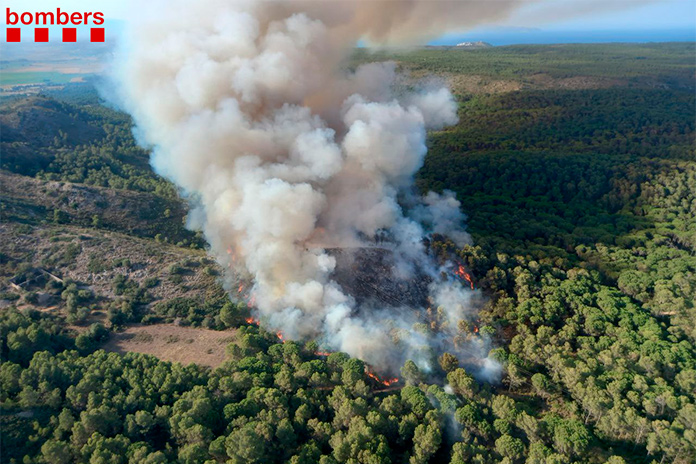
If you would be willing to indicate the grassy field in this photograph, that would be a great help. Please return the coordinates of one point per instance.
(36, 77)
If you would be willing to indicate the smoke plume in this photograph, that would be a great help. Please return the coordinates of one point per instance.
(284, 155)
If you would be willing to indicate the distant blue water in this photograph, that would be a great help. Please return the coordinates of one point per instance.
(540, 36)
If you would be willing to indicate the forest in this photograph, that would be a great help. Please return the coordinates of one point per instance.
(581, 202)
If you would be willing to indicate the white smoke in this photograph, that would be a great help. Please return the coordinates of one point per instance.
(441, 214)
(283, 155)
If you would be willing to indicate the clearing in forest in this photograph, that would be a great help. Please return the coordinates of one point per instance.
(170, 342)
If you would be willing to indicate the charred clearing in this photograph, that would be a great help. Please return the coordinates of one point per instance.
(370, 275)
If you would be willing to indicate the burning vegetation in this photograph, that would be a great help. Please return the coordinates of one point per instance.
(303, 172)
(462, 274)
(371, 276)
(383, 382)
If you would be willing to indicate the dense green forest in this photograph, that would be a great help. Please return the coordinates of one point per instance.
(582, 207)
(633, 64)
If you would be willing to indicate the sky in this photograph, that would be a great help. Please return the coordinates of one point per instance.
(569, 21)
(608, 14)
(658, 18)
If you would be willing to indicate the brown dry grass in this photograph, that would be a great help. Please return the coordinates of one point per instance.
(170, 342)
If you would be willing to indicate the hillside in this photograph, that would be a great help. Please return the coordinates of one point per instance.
(131, 212)
(37, 121)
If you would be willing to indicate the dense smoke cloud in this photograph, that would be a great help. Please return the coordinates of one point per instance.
(284, 156)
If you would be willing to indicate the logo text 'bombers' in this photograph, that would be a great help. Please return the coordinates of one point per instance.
(50, 18)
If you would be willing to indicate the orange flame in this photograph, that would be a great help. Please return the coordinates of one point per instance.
(240, 289)
(251, 320)
(233, 258)
(376, 378)
(322, 353)
(461, 272)
(475, 329)
(280, 336)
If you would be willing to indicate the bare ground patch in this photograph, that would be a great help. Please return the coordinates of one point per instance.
(96, 253)
(170, 342)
